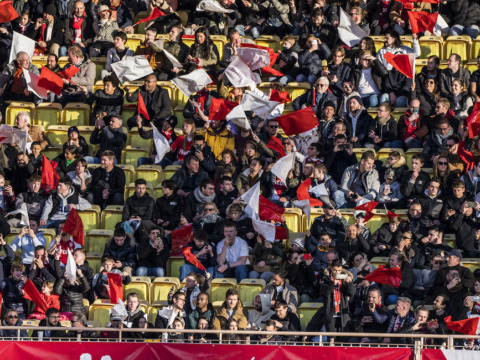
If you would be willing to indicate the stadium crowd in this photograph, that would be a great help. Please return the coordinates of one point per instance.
(219, 161)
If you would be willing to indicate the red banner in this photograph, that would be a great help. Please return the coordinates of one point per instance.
(130, 351)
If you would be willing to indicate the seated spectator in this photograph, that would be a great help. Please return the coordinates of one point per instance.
(396, 162)
(436, 144)
(285, 320)
(232, 255)
(203, 311)
(78, 30)
(108, 101)
(52, 320)
(105, 26)
(61, 244)
(425, 277)
(343, 99)
(267, 259)
(231, 309)
(204, 153)
(27, 240)
(310, 59)
(11, 318)
(414, 182)
(300, 273)
(142, 323)
(177, 48)
(452, 203)
(202, 324)
(181, 146)
(122, 14)
(280, 290)
(390, 293)
(81, 177)
(44, 267)
(115, 323)
(139, 206)
(100, 282)
(316, 98)
(109, 134)
(35, 133)
(204, 251)
(385, 238)
(202, 53)
(108, 182)
(36, 157)
(196, 200)
(339, 157)
(189, 177)
(383, 129)
(49, 32)
(261, 312)
(338, 71)
(168, 208)
(330, 223)
(21, 172)
(218, 137)
(465, 224)
(428, 96)
(67, 160)
(327, 121)
(153, 254)
(431, 203)
(157, 103)
(122, 251)
(358, 122)
(318, 247)
(195, 284)
(75, 139)
(352, 243)
(393, 44)
(372, 318)
(368, 78)
(453, 71)
(255, 173)
(79, 320)
(287, 61)
(167, 314)
(134, 310)
(155, 59)
(71, 294)
(58, 205)
(117, 53)
(389, 193)
(227, 194)
(471, 177)
(460, 100)
(85, 77)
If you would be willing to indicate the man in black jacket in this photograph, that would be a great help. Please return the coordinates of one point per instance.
(431, 202)
(168, 208)
(228, 192)
(49, 31)
(415, 181)
(391, 293)
(122, 252)
(373, 315)
(52, 317)
(196, 200)
(204, 153)
(339, 157)
(139, 206)
(466, 224)
(153, 254)
(157, 102)
(317, 97)
(453, 203)
(189, 176)
(110, 136)
(204, 251)
(108, 183)
(285, 320)
(320, 27)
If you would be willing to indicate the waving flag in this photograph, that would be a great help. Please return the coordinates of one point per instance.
(7, 12)
(49, 176)
(154, 15)
(11, 135)
(180, 238)
(142, 108)
(422, 21)
(115, 289)
(404, 63)
(50, 81)
(74, 227)
(21, 43)
(298, 122)
(239, 74)
(276, 145)
(386, 276)
(283, 166)
(220, 108)
(349, 32)
(269, 210)
(192, 259)
(303, 194)
(465, 326)
(252, 198)
(32, 294)
(192, 82)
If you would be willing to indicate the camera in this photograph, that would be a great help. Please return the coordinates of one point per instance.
(344, 146)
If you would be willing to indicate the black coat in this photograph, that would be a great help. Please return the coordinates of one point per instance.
(148, 257)
(338, 162)
(181, 177)
(224, 200)
(362, 126)
(208, 162)
(83, 149)
(55, 332)
(140, 206)
(125, 254)
(431, 208)
(317, 105)
(333, 227)
(158, 103)
(111, 104)
(465, 228)
(397, 83)
(383, 236)
(378, 73)
(71, 296)
(109, 139)
(415, 189)
(116, 183)
(168, 209)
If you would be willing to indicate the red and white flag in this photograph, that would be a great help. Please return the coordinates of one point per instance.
(156, 13)
(220, 108)
(466, 326)
(11, 135)
(252, 198)
(255, 103)
(404, 63)
(32, 84)
(21, 43)
(238, 117)
(7, 12)
(74, 227)
(348, 31)
(141, 107)
(283, 166)
(193, 82)
(422, 21)
(254, 58)
(161, 144)
(298, 122)
(239, 74)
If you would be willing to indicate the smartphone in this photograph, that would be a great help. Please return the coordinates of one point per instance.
(198, 147)
(341, 277)
(307, 256)
(416, 111)
(314, 42)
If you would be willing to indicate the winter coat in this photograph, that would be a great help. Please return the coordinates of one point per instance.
(195, 315)
(208, 162)
(9, 72)
(370, 181)
(387, 132)
(148, 257)
(289, 295)
(315, 100)
(111, 104)
(158, 108)
(109, 139)
(221, 317)
(218, 141)
(411, 189)
(13, 334)
(361, 129)
(258, 318)
(445, 86)
(182, 175)
(465, 228)
(140, 206)
(125, 254)
(112, 57)
(100, 283)
(56, 206)
(71, 296)
(116, 183)
(310, 63)
(168, 209)
(333, 227)
(274, 8)
(383, 236)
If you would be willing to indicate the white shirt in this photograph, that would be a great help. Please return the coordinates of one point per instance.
(366, 85)
(235, 251)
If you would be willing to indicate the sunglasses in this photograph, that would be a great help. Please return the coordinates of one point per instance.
(437, 262)
(273, 126)
(442, 163)
(406, 238)
(13, 316)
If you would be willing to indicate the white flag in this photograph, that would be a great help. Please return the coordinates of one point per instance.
(238, 117)
(131, 69)
(441, 26)
(305, 206)
(254, 58)
(71, 268)
(191, 83)
(212, 5)
(283, 166)
(261, 107)
(252, 198)
(349, 32)
(172, 59)
(266, 229)
(32, 84)
(25, 221)
(239, 74)
(11, 135)
(161, 144)
(319, 190)
(119, 310)
(21, 43)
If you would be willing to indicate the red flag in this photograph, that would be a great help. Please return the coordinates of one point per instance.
(32, 294)
(276, 145)
(282, 97)
(7, 12)
(465, 326)
(74, 227)
(154, 15)
(115, 289)
(386, 276)
(180, 238)
(142, 109)
(192, 259)
(50, 81)
(303, 194)
(271, 71)
(69, 72)
(49, 176)
(422, 21)
(280, 233)
(273, 58)
(473, 123)
(298, 122)
(404, 63)
(220, 108)
(369, 206)
(270, 211)
(391, 215)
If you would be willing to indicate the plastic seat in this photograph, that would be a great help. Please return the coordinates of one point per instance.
(15, 107)
(130, 190)
(98, 85)
(379, 260)
(39, 60)
(150, 173)
(460, 45)
(139, 285)
(218, 288)
(86, 131)
(431, 45)
(134, 40)
(131, 154)
(137, 140)
(475, 49)
(471, 65)
(409, 155)
(52, 151)
(32, 322)
(306, 311)
(173, 265)
(379, 42)
(153, 310)
(219, 41)
(90, 218)
(100, 313)
(161, 286)
(100, 63)
(169, 171)
(314, 213)
(180, 101)
(359, 152)
(451, 240)
(158, 191)
(293, 219)
(76, 114)
(49, 235)
(348, 215)
(129, 171)
(270, 41)
(249, 288)
(379, 218)
(128, 111)
(57, 134)
(95, 260)
(111, 215)
(47, 114)
(96, 239)
(14, 231)
(407, 40)
(419, 64)
(398, 112)
(168, 85)
(62, 61)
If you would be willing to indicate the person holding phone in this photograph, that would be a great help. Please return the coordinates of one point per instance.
(204, 153)
(372, 316)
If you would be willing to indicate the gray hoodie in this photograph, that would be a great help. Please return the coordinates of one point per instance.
(256, 318)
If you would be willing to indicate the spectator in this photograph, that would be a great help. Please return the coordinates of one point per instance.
(33, 198)
(409, 126)
(317, 98)
(196, 201)
(414, 182)
(261, 312)
(195, 284)
(352, 243)
(182, 144)
(218, 137)
(368, 79)
(393, 44)
(439, 310)
(318, 249)
(81, 177)
(425, 277)
(204, 251)
(105, 27)
(189, 177)
(460, 101)
(385, 238)
(232, 254)
(287, 61)
(52, 319)
(155, 59)
(35, 133)
(452, 72)
(280, 290)
(372, 318)
(383, 130)
(108, 101)
(390, 293)
(358, 122)
(139, 206)
(227, 194)
(452, 204)
(11, 318)
(78, 30)
(62, 243)
(27, 240)
(285, 320)
(310, 59)
(75, 139)
(153, 254)
(203, 311)
(177, 48)
(231, 309)
(338, 158)
(202, 53)
(168, 208)
(267, 258)
(204, 153)
(428, 97)
(117, 53)
(330, 223)
(399, 318)
(465, 224)
(167, 314)
(109, 134)
(436, 144)
(66, 160)
(122, 251)
(48, 32)
(79, 320)
(100, 282)
(471, 178)
(134, 310)
(71, 294)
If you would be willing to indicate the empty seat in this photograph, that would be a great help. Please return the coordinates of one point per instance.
(219, 41)
(137, 140)
(173, 265)
(379, 260)
(218, 288)
(269, 41)
(306, 311)
(293, 219)
(460, 45)
(76, 114)
(100, 63)
(150, 173)
(57, 134)
(111, 215)
(419, 64)
(100, 312)
(129, 171)
(431, 45)
(97, 238)
(131, 154)
(169, 171)
(95, 260)
(52, 151)
(47, 114)
(139, 285)
(90, 218)
(161, 286)
(134, 40)
(249, 288)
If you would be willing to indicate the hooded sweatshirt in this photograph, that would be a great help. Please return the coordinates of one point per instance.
(257, 318)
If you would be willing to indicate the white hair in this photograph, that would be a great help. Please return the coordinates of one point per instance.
(24, 114)
(325, 79)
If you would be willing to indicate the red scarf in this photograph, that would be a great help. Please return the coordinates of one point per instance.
(39, 50)
(337, 296)
(379, 305)
(77, 26)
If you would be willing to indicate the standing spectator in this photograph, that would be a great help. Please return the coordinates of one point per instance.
(358, 122)
(393, 44)
(167, 314)
(49, 32)
(108, 101)
(27, 240)
(105, 26)
(317, 98)
(189, 176)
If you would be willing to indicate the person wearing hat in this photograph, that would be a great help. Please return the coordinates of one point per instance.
(330, 223)
(48, 32)
(383, 129)
(105, 27)
(75, 139)
(317, 97)
(358, 122)
(390, 194)
(328, 118)
(368, 78)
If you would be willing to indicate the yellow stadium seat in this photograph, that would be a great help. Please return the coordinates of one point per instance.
(397, 112)
(14, 231)
(86, 131)
(173, 265)
(384, 153)
(47, 114)
(153, 310)
(49, 235)
(180, 100)
(379, 41)
(90, 218)
(133, 85)
(134, 40)
(111, 215)
(379, 260)
(471, 65)
(15, 107)
(128, 111)
(219, 41)
(296, 89)
(131, 154)
(62, 61)
(188, 40)
(97, 238)
(431, 45)
(249, 288)
(95, 260)
(150, 173)
(32, 322)
(161, 286)
(407, 40)
(379, 218)
(410, 153)
(169, 171)
(460, 45)
(57, 134)
(218, 288)
(348, 215)
(158, 191)
(130, 190)
(100, 63)
(129, 171)
(306, 311)
(137, 140)
(470, 262)
(217, 304)
(98, 85)
(39, 61)
(52, 151)
(451, 240)
(270, 41)
(293, 219)
(168, 85)
(76, 114)
(100, 312)
(419, 64)
(139, 285)
(359, 152)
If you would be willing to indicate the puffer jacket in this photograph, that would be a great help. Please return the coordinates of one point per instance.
(334, 227)
(219, 141)
(310, 63)
(431, 207)
(141, 206)
(221, 317)
(71, 296)
(109, 139)
(125, 254)
(111, 104)
(384, 236)
(370, 181)
(168, 209)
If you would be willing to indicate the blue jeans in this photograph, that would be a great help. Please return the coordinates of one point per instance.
(240, 272)
(310, 78)
(471, 30)
(96, 160)
(187, 269)
(399, 29)
(144, 161)
(52, 224)
(284, 80)
(370, 101)
(63, 51)
(150, 271)
(254, 31)
(401, 101)
(267, 275)
(339, 198)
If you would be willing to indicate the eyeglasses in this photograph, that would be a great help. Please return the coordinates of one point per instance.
(430, 82)
(320, 85)
(406, 238)
(444, 163)
(13, 316)
(273, 126)
(450, 145)
(353, 13)
(347, 85)
(437, 262)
